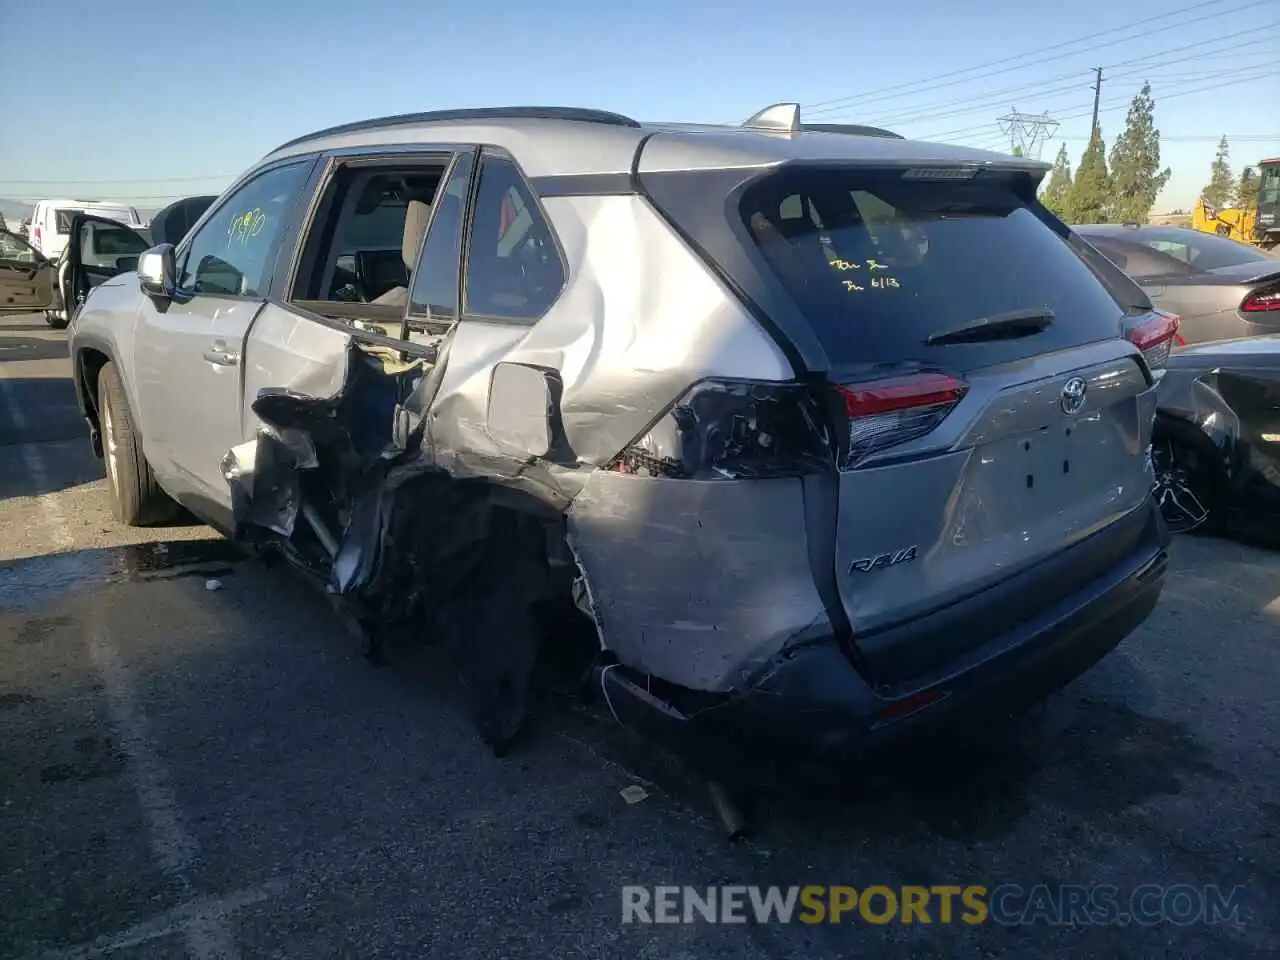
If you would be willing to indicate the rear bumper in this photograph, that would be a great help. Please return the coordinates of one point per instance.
(812, 703)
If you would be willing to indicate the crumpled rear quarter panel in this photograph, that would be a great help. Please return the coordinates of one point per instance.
(698, 583)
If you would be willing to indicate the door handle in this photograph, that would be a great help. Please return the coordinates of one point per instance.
(220, 355)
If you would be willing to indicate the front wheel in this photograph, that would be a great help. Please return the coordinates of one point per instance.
(136, 498)
(1187, 485)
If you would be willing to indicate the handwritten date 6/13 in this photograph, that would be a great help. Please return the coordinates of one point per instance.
(877, 283)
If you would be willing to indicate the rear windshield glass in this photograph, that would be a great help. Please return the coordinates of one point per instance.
(112, 242)
(1136, 259)
(877, 263)
(62, 220)
(1203, 251)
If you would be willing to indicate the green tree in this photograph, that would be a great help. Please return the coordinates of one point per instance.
(1057, 194)
(1247, 189)
(1136, 177)
(1091, 192)
(1221, 188)
(1017, 151)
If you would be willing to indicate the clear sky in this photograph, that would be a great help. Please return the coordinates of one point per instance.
(173, 99)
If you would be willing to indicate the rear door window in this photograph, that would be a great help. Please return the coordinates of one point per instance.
(877, 263)
(15, 250)
(513, 267)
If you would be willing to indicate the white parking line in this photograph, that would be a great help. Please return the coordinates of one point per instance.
(206, 935)
(193, 913)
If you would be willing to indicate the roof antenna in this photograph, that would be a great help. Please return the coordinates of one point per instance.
(777, 118)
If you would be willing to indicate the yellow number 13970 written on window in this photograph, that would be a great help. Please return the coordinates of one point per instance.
(246, 225)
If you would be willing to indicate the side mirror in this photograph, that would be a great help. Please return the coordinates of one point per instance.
(156, 271)
(522, 404)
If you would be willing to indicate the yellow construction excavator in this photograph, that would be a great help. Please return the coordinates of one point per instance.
(1257, 224)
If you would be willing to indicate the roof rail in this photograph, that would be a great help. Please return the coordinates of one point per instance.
(577, 114)
(785, 118)
(851, 129)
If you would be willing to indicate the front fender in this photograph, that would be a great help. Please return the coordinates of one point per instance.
(101, 330)
(1190, 401)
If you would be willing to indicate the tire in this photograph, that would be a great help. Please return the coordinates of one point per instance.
(55, 320)
(1190, 487)
(136, 498)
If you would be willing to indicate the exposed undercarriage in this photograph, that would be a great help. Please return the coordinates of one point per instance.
(354, 490)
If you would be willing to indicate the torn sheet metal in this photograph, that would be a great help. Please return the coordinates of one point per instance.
(353, 427)
(697, 583)
(1192, 394)
(263, 476)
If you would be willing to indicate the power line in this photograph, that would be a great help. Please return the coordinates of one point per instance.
(950, 135)
(883, 93)
(1202, 138)
(998, 99)
(1160, 81)
(948, 107)
(1115, 103)
(147, 180)
(117, 198)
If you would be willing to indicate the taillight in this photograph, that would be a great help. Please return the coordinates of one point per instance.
(1155, 337)
(1261, 301)
(885, 413)
(729, 430)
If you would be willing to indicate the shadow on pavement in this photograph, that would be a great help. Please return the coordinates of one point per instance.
(48, 414)
(36, 326)
(32, 348)
(284, 745)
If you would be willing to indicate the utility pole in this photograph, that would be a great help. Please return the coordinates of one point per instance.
(1097, 95)
(1027, 132)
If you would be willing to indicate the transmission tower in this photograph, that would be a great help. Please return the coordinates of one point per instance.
(1027, 132)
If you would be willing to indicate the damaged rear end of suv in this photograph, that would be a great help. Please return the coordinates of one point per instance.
(820, 436)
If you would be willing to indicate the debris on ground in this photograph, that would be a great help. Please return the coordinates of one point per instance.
(633, 794)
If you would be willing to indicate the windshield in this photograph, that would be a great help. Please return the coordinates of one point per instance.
(1269, 194)
(1204, 251)
(878, 263)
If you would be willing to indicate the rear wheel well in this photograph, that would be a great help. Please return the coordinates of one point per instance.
(1180, 430)
(1214, 475)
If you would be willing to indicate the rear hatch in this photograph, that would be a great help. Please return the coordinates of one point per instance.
(990, 415)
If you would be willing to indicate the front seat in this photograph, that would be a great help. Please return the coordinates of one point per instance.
(415, 226)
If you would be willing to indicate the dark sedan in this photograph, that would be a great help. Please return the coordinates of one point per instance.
(1220, 288)
(1216, 445)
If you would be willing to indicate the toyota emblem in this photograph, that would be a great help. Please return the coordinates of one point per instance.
(1073, 392)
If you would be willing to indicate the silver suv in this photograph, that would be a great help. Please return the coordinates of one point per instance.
(825, 434)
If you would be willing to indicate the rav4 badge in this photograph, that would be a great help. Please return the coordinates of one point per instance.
(883, 560)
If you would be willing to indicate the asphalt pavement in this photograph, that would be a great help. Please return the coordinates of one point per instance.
(195, 772)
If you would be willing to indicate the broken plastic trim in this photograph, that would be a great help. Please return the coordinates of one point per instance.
(722, 429)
